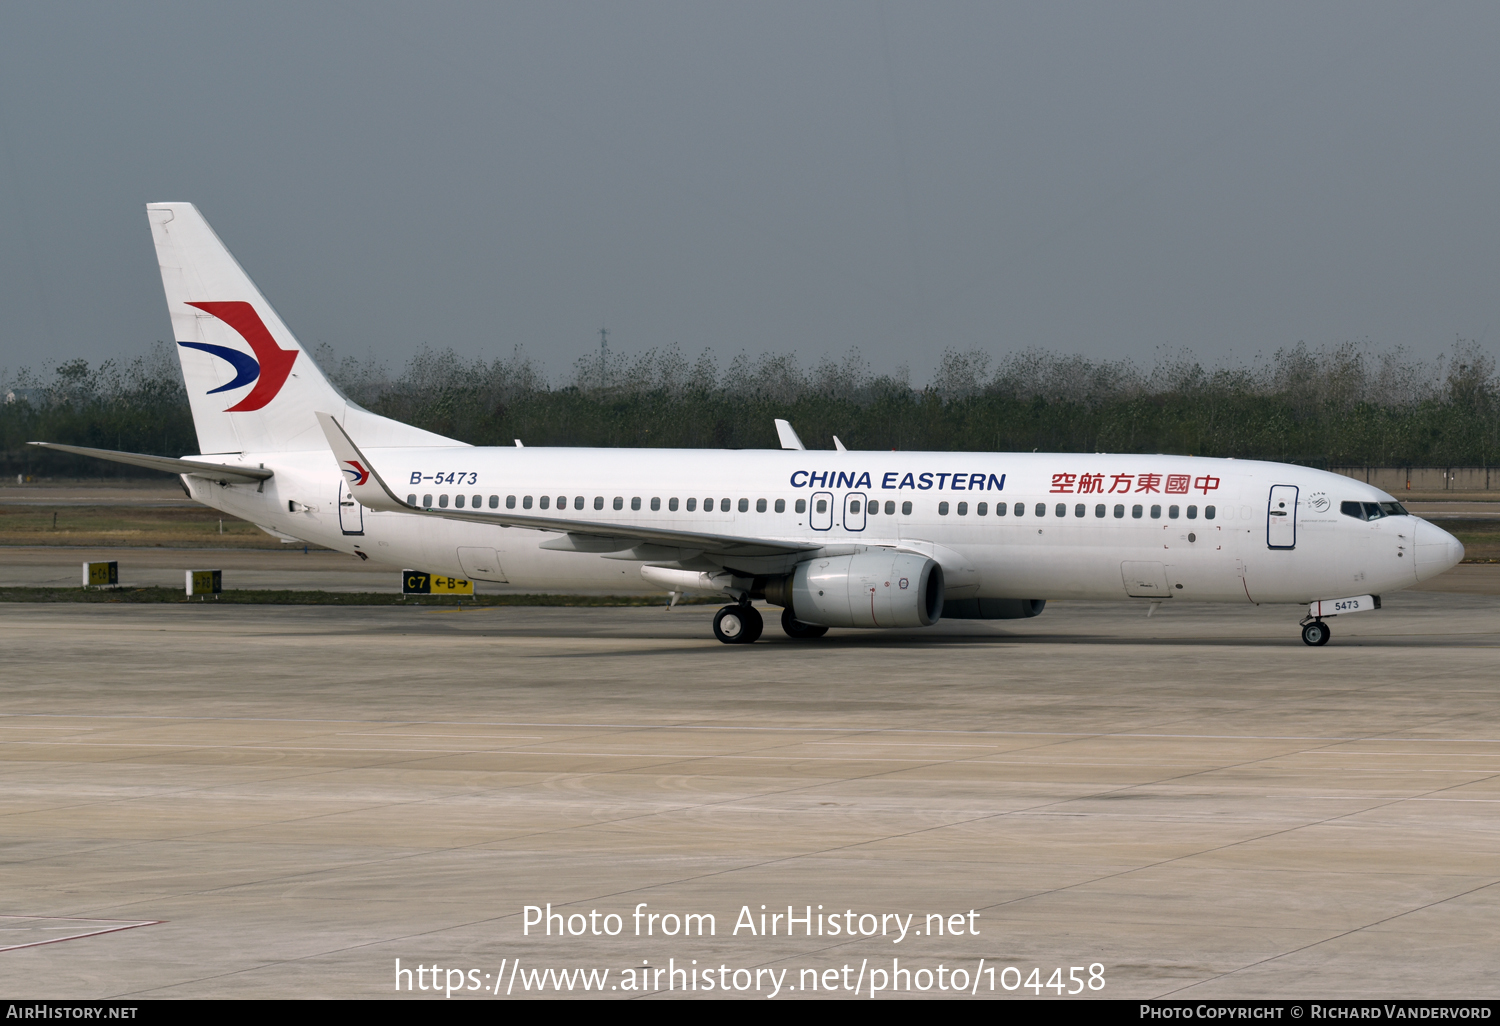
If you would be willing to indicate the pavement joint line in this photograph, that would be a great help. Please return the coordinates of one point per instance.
(751, 728)
(1328, 940)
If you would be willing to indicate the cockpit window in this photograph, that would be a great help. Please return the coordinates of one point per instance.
(1372, 510)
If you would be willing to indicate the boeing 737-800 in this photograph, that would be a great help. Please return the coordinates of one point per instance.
(835, 538)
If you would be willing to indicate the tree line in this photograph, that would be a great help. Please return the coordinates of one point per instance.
(1335, 406)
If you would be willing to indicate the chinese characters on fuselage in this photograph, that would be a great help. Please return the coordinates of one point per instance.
(1167, 484)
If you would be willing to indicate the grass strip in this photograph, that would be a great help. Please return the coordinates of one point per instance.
(328, 598)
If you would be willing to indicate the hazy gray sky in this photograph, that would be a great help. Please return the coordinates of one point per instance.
(1102, 179)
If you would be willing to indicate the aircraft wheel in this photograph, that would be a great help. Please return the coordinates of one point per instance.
(795, 628)
(734, 625)
(754, 625)
(1316, 633)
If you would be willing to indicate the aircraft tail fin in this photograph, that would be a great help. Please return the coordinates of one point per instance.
(251, 385)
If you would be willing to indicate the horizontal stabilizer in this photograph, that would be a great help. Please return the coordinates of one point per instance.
(166, 464)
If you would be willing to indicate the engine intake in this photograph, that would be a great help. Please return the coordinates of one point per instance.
(876, 588)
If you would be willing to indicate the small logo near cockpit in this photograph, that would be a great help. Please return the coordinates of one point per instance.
(1319, 502)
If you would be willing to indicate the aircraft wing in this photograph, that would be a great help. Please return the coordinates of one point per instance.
(646, 543)
(213, 471)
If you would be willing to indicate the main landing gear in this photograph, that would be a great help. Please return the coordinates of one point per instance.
(738, 625)
(1315, 633)
(795, 628)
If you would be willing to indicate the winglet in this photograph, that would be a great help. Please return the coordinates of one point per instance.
(838, 444)
(789, 439)
(364, 483)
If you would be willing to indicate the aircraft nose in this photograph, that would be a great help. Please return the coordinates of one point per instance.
(1437, 550)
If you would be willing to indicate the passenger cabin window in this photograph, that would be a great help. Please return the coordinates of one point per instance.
(906, 509)
(1062, 509)
(442, 502)
(744, 505)
(635, 503)
(1099, 510)
(853, 505)
(942, 509)
(1173, 512)
(545, 501)
(1136, 512)
(476, 501)
(526, 502)
(1001, 509)
(494, 502)
(1192, 512)
(655, 504)
(598, 502)
(1119, 512)
(890, 508)
(1079, 510)
(801, 505)
(1208, 512)
(1041, 509)
(963, 509)
(982, 509)
(708, 505)
(458, 502)
(822, 505)
(672, 504)
(411, 500)
(1020, 509)
(692, 504)
(781, 505)
(1155, 512)
(760, 505)
(510, 502)
(619, 502)
(578, 502)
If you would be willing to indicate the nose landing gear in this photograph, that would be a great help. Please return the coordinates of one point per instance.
(738, 625)
(1315, 633)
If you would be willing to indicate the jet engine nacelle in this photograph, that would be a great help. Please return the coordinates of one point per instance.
(875, 588)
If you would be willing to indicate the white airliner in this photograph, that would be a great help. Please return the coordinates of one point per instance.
(835, 538)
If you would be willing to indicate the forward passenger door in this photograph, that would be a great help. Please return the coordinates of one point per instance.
(1281, 517)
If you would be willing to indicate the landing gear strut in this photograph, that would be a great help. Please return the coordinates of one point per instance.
(1315, 633)
(795, 628)
(738, 625)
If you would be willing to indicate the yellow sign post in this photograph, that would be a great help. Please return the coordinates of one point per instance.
(101, 575)
(204, 582)
(416, 582)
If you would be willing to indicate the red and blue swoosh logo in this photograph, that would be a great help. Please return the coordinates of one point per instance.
(268, 368)
(357, 474)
